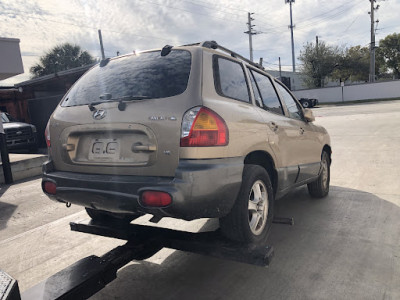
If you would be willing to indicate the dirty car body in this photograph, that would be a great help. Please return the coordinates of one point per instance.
(169, 133)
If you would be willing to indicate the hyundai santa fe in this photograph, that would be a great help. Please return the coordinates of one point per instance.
(195, 131)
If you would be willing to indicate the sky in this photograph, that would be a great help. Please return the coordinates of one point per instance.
(129, 25)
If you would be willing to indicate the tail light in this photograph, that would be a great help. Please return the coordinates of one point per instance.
(47, 135)
(202, 127)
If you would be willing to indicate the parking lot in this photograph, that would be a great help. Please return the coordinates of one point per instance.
(345, 246)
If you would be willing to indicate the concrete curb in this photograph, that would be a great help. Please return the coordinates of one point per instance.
(24, 166)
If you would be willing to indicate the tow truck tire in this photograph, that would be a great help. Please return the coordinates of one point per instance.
(250, 219)
(105, 216)
(320, 187)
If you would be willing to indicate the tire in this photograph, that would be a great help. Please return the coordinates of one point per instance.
(105, 216)
(320, 187)
(306, 104)
(250, 219)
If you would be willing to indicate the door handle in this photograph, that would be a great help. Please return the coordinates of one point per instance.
(273, 126)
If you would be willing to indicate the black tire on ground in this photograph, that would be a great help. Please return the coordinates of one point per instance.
(320, 187)
(105, 216)
(306, 104)
(250, 219)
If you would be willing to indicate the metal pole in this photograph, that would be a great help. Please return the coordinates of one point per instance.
(101, 45)
(291, 32)
(372, 62)
(280, 69)
(5, 159)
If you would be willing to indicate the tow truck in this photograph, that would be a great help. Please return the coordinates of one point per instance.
(89, 275)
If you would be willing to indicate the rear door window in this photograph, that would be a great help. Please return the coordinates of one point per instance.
(148, 75)
(230, 79)
(269, 96)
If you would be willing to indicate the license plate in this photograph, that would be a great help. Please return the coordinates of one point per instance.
(104, 149)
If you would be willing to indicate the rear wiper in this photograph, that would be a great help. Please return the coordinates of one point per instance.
(122, 100)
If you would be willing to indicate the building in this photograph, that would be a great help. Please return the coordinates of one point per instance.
(40, 96)
(293, 80)
(10, 58)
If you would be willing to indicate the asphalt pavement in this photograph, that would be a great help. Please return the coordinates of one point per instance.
(345, 246)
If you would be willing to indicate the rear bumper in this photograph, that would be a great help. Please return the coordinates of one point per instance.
(199, 189)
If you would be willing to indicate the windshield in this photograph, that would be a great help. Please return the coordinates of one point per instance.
(147, 75)
(6, 118)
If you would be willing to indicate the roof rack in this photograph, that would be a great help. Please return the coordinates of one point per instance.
(215, 45)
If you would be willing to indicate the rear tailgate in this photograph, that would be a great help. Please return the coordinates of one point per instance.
(142, 139)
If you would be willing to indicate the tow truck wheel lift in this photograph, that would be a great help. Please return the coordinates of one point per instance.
(91, 274)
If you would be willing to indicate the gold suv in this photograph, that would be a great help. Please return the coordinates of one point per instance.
(188, 132)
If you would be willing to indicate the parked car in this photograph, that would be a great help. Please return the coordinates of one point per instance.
(308, 103)
(19, 135)
(188, 132)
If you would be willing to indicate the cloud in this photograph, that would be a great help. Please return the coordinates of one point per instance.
(132, 24)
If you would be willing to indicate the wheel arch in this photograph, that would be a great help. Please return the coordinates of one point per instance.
(265, 160)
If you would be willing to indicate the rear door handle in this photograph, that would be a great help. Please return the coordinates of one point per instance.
(273, 126)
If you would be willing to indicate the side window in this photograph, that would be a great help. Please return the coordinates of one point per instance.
(257, 94)
(292, 106)
(230, 79)
(269, 97)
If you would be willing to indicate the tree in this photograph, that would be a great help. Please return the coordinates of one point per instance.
(388, 53)
(353, 64)
(60, 58)
(318, 62)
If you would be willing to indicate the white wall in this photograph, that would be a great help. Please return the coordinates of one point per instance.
(10, 58)
(379, 90)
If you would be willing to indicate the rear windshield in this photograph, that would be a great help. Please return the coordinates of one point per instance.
(148, 75)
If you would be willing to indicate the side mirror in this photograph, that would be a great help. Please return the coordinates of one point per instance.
(308, 115)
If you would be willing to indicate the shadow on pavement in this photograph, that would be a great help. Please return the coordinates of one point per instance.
(345, 246)
(6, 212)
(6, 209)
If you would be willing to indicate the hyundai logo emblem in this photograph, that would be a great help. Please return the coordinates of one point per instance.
(99, 114)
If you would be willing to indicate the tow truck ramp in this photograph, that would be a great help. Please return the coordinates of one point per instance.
(89, 275)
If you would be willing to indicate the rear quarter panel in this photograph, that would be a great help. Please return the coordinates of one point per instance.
(247, 131)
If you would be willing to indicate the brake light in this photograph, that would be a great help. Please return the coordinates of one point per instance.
(47, 135)
(155, 199)
(202, 127)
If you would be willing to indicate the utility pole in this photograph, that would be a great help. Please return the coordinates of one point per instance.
(372, 48)
(291, 26)
(317, 61)
(280, 69)
(101, 45)
(250, 32)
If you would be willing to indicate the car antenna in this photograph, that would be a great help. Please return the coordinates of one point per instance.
(166, 50)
